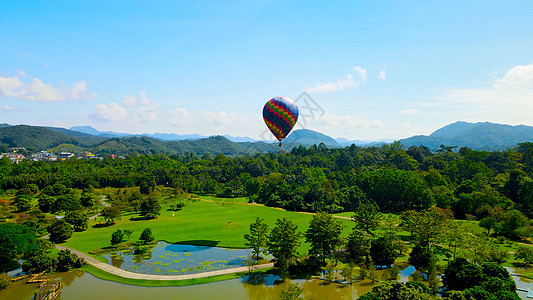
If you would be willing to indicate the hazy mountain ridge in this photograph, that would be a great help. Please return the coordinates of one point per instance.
(477, 136)
(155, 135)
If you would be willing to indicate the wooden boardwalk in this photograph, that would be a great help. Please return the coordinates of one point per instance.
(49, 290)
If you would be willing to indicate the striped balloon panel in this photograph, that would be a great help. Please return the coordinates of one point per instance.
(280, 115)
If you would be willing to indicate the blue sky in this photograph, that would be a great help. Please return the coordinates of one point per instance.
(377, 69)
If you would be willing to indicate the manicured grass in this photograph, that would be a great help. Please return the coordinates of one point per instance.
(199, 222)
(224, 200)
(347, 214)
(160, 283)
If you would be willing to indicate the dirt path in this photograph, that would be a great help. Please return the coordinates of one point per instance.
(132, 275)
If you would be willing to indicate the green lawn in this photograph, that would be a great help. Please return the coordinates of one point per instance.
(347, 214)
(224, 200)
(221, 223)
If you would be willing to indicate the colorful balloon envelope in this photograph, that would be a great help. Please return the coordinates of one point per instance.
(280, 115)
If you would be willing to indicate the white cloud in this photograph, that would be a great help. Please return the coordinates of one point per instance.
(12, 108)
(349, 81)
(361, 72)
(506, 100)
(132, 112)
(129, 101)
(109, 112)
(145, 99)
(215, 122)
(410, 111)
(350, 126)
(21, 73)
(518, 77)
(347, 121)
(179, 116)
(148, 110)
(36, 90)
(79, 92)
(382, 75)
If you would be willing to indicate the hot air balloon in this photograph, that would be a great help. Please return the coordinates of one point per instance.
(280, 115)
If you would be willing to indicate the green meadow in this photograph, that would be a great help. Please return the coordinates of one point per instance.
(216, 222)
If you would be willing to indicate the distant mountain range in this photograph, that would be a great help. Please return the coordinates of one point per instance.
(478, 136)
(157, 135)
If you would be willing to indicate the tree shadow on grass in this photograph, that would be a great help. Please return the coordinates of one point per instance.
(209, 243)
(141, 218)
(101, 225)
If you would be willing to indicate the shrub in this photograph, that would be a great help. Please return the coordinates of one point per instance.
(117, 237)
(147, 236)
(5, 280)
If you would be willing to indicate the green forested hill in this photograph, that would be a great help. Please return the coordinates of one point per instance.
(479, 136)
(37, 138)
(146, 145)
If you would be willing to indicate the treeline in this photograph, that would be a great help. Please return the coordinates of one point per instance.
(473, 184)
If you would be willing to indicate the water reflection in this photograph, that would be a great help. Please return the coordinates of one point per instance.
(81, 285)
(521, 281)
(178, 259)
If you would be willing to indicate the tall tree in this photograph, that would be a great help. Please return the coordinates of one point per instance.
(150, 208)
(15, 240)
(383, 251)
(111, 214)
(117, 237)
(358, 244)
(367, 216)
(428, 226)
(147, 236)
(77, 219)
(283, 243)
(324, 235)
(257, 239)
(60, 231)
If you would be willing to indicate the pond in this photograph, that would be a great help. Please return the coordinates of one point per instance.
(82, 285)
(167, 259)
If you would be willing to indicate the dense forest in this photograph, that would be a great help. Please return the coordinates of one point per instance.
(470, 183)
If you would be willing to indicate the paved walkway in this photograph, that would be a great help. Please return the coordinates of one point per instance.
(102, 201)
(132, 275)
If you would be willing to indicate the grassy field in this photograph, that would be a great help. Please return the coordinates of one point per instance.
(213, 222)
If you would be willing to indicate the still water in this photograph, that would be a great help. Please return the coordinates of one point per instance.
(167, 259)
(82, 285)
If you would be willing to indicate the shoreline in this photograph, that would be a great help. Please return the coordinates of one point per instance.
(104, 271)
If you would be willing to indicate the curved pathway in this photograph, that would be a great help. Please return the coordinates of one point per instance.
(102, 201)
(132, 275)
